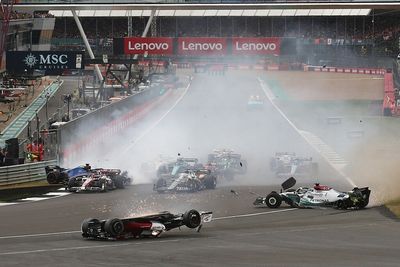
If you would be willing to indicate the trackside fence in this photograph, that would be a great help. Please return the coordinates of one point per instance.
(24, 173)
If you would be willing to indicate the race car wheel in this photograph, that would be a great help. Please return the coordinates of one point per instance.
(192, 218)
(87, 223)
(71, 183)
(52, 178)
(114, 227)
(210, 182)
(341, 205)
(119, 182)
(160, 185)
(104, 187)
(273, 200)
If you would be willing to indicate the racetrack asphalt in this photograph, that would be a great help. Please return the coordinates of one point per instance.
(47, 233)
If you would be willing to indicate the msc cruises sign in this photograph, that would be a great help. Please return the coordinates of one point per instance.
(26, 61)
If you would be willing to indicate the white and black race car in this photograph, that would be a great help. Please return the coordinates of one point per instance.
(316, 196)
(285, 164)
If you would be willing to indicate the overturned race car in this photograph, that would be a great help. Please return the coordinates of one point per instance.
(317, 196)
(146, 226)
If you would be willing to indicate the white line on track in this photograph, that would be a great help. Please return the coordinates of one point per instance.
(88, 247)
(252, 214)
(214, 219)
(307, 136)
(157, 122)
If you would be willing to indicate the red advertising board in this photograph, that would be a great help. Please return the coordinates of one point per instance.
(256, 46)
(150, 46)
(201, 46)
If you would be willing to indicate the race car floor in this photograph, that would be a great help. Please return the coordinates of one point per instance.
(239, 235)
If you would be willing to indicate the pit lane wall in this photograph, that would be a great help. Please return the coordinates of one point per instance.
(78, 136)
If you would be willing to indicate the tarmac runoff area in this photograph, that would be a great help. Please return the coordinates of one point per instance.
(47, 233)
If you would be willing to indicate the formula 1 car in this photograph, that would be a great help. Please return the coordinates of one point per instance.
(178, 166)
(84, 178)
(146, 226)
(192, 180)
(255, 102)
(226, 164)
(286, 164)
(317, 196)
(99, 180)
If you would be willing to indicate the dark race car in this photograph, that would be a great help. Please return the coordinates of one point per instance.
(84, 178)
(226, 164)
(191, 180)
(286, 164)
(316, 196)
(146, 226)
(179, 166)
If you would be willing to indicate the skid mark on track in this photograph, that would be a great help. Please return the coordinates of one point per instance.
(333, 158)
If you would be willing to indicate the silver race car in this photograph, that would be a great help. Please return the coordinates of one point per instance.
(316, 196)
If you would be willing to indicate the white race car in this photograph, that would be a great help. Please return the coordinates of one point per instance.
(316, 196)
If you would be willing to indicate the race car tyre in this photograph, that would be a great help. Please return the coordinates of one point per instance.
(193, 185)
(273, 200)
(192, 218)
(71, 183)
(89, 222)
(119, 182)
(340, 204)
(210, 182)
(52, 178)
(114, 227)
(160, 185)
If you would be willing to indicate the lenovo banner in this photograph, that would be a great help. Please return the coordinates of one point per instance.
(49, 61)
(201, 46)
(148, 46)
(255, 46)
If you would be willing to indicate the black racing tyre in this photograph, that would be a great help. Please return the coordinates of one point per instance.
(88, 222)
(52, 178)
(71, 183)
(210, 182)
(273, 200)
(119, 182)
(114, 227)
(192, 218)
(340, 204)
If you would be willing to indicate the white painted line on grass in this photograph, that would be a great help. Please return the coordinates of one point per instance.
(7, 204)
(57, 194)
(314, 141)
(131, 145)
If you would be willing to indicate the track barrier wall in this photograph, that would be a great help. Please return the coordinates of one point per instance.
(78, 136)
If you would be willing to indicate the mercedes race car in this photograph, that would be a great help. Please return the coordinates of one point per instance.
(146, 226)
(226, 164)
(286, 164)
(192, 180)
(316, 196)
